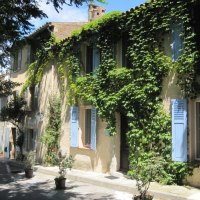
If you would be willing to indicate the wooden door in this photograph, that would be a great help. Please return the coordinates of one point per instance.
(124, 149)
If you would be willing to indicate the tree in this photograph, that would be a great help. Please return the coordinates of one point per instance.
(14, 113)
(15, 23)
(6, 87)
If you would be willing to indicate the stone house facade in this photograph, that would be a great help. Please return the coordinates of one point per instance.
(84, 134)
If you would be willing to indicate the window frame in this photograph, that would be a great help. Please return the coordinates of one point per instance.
(89, 59)
(92, 54)
(82, 126)
(87, 128)
(176, 53)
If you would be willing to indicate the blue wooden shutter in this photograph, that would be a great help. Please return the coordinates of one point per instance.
(177, 41)
(34, 140)
(93, 128)
(96, 58)
(6, 142)
(179, 130)
(74, 127)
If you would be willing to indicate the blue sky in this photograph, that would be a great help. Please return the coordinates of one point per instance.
(122, 5)
(74, 14)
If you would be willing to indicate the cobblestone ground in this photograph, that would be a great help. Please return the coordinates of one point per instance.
(42, 187)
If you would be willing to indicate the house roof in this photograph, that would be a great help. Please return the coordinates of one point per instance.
(61, 30)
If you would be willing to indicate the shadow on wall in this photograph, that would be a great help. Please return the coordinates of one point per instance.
(45, 91)
(170, 90)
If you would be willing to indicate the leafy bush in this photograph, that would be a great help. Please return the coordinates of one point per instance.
(29, 160)
(149, 167)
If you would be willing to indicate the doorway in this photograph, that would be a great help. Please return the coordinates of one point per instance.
(124, 148)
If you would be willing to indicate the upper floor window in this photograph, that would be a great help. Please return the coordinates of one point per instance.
(3, 102)
(92, 59)
(125, 59)
(28, 58)
(177, 40)
(17, 60)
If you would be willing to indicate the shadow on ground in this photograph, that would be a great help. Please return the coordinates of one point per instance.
(21, 188)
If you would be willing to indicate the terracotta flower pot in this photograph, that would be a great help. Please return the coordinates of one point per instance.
(147, 197)
(28, 173)
(60, 183)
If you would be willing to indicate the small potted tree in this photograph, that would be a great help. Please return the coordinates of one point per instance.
(149, 167)
(29, 164)
(65, 163)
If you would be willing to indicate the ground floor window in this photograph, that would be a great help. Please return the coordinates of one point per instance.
(87, 132)
(83, 127)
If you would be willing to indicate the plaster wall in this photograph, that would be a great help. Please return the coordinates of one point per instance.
(20, 75)
(105, 158)
(172, 91)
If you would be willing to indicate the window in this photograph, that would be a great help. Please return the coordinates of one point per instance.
(87, 124)
(17, 60)
(33, 102)
(89, 59)
(30, 140)
(92, 59)
(3, 102)
(198, 130)
(35, 97)
(177, 40)
(87, 127)
(125, 60)
(27, 98)
(28, 59)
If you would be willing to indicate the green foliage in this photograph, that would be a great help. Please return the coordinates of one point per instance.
(96, 25)
(15, 21)
(6, 87)
(29, 161)
(134, 90)
(65, 162)
(50, 137)
(42, 59)
(148, 168)
(15, 111)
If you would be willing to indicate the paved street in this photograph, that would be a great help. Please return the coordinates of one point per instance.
(16, 186)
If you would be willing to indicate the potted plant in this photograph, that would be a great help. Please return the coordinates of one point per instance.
(29, 164)
(144, 171)
(65, 163)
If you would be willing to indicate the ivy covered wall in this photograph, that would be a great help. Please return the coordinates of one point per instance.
(133, 90)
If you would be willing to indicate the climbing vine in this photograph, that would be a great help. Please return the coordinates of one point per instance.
(135, 89)
(51, 136)
(42, 56)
